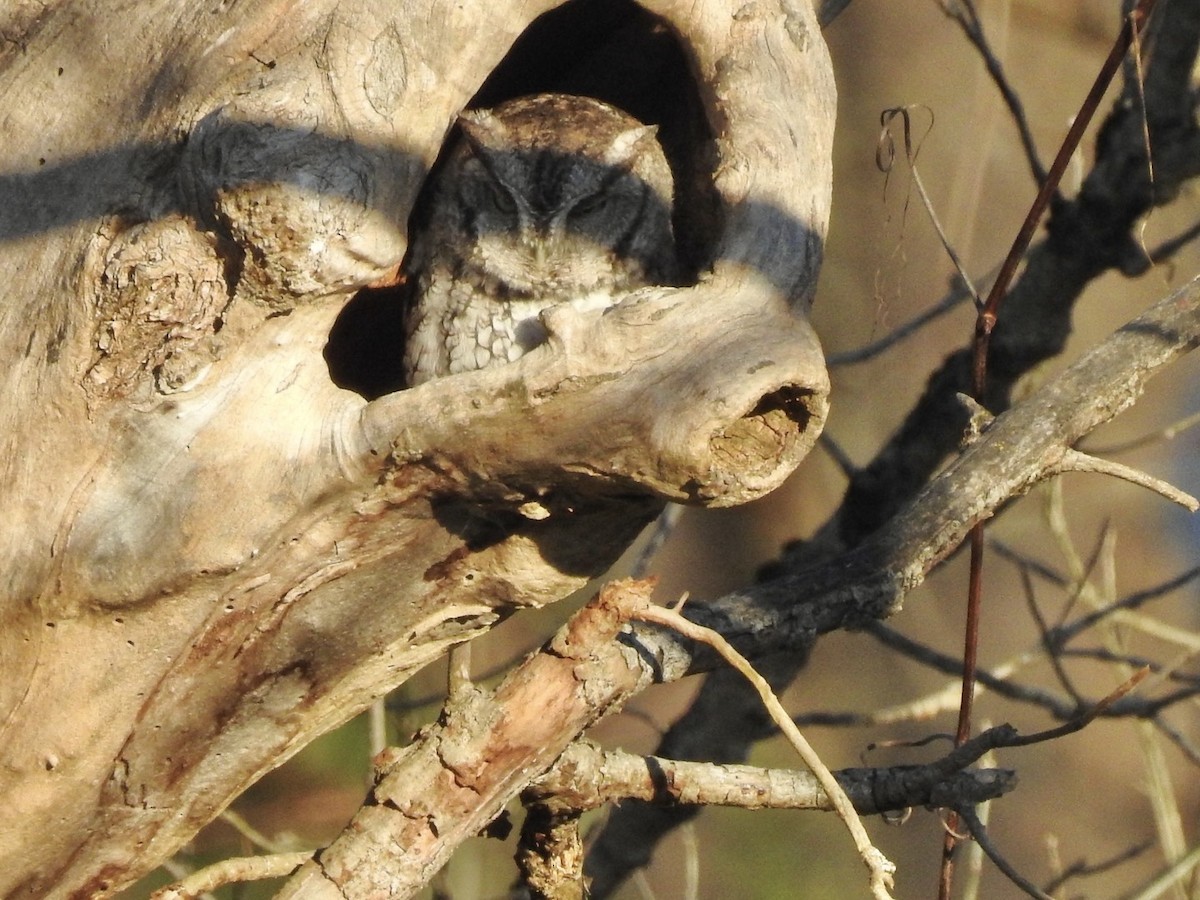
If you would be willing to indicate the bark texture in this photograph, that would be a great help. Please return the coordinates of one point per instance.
(211, 552)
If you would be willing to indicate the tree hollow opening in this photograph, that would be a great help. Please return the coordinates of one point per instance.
(615, 51)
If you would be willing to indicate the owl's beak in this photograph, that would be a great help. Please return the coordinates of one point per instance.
(541, 238)
(541, 243)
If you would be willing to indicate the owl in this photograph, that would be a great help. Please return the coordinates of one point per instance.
(543, 200)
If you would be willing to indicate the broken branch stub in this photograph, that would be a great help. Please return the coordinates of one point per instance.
(690, 395)
(212, 553)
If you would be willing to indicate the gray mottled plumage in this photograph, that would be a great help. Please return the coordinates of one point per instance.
(544, 200)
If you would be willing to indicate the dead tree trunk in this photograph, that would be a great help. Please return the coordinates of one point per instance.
(212, 552)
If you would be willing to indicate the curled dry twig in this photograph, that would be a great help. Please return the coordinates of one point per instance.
(885, 156)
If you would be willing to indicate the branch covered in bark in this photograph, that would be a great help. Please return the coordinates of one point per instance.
(586, 777)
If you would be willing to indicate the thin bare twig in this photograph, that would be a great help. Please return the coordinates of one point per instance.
(1169, 248)
(397, 702)
(458, 670)
(880, 867)
(662, 529)
(230, 871)
(1103, 654)
(1133, 601)
(1064, 632)
(1170, 432)
(998, 680)
(376, 727)
(1075, 461)
(1082, 721)
(1017, 558)
(1139, 83)
(1082, 868)
(839, 456)
(691, 856)
(952, 665)
(1080, 583)
(957, 295)
(1044, 633)
(1176, 737)
(968, 815)
(253, 835)
(963, 13)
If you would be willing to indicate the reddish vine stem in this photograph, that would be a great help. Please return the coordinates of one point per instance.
(985, 322)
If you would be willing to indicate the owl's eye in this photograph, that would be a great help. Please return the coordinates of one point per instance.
(589, 205)
(501, 199)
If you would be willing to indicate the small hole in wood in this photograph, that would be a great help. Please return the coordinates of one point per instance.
(766, 434)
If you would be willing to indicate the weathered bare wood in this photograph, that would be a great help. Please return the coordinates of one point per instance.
(457, 776)
(212, 554)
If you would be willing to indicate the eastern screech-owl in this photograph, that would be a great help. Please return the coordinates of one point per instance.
(544, 200)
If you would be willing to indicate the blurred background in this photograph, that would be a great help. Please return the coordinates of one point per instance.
(1084, 797)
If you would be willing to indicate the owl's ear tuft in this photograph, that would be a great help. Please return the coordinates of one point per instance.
(482, 129)
(623, 150)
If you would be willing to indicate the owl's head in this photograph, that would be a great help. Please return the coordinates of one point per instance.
(561, 194)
